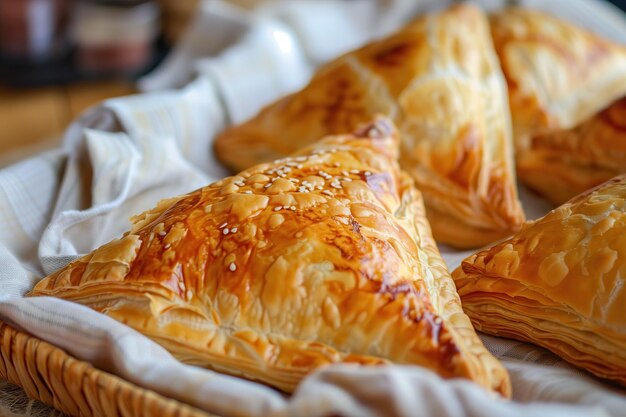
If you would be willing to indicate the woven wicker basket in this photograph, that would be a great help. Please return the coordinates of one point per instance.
(76, 388)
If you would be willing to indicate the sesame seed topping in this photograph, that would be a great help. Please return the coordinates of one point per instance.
(344, 173)
(303, 189)
(301, 158)
(247, 192)
(336, 164)
(367, 173)
(327, 192)
(335, 184)
(278, 208)
(346, 179)
(299, 166)
(268, 185)
(223, 225)
(232, 267)
(319, 187)
(225, 231)
(292, 208)
(292, 164)
(239, 183)
(167, 246)
(233, 230)
(354, 171)
(162, 233)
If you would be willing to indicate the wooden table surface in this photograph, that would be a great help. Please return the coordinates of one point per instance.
(32, 120)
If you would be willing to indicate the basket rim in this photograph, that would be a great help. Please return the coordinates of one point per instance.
(23, 363)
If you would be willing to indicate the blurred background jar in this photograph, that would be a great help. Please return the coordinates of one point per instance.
(34, 30)
(114, 37)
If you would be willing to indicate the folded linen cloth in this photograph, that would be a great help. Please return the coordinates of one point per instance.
(119, 158)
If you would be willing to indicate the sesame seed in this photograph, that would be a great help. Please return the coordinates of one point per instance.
(233, 230)
(346, 179)
(335, 184)
(301, 158)
(225, 231)
(232, 267)
(327, 192)
(292, 208)
(354, 171)
(278, 208)
(167, 246)
(344, 173)
(299, 166)
(239, 183)
(223, 225)
(373, 132)
(247, 192)
(319, 187)
(367, 173)
(162, 233)
(268, 185)
(303, 189)
(287, 169)
(292, 164)
(336, 165)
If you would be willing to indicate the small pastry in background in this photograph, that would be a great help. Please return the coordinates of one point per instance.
(559, 282)
(322, 257)
(563, 163)
(440, 80)
(559, 76)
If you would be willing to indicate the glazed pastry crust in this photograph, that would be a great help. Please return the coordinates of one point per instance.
(440, 80)
(559, 282)
(564, 163)
(322, 257)
(558, 74)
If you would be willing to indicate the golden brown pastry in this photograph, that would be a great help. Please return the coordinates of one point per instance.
(563, 163)
(322, 257)
(559, 282)
(440, 80)
(558, 74)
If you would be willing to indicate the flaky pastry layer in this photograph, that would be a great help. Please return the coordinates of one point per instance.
(559, 282)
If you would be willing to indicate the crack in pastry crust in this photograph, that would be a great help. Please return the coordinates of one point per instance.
(321, 257)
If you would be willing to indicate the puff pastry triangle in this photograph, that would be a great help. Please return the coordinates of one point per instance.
(563, 163)
(439, 79)
(559, 282)
(322, 257)
(559, 76)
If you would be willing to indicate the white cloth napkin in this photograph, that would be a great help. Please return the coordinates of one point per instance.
(122, 156)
